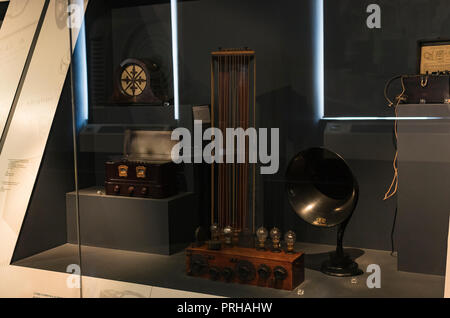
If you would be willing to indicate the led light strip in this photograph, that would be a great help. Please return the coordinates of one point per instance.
(384, 118)
(319, 58)
(173, 14)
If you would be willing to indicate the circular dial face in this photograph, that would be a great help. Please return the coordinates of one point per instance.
(133, 80)
(245, 271)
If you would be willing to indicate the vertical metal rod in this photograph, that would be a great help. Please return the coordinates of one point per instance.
(254, 125)
(75, 156)
(212, 138)
(174, 28)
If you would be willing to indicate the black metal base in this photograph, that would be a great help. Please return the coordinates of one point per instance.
(340, 266)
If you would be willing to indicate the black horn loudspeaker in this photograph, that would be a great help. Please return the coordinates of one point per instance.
(323, 191)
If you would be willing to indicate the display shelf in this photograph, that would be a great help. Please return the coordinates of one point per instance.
(161, 226)
(424, 180)
(169, 272)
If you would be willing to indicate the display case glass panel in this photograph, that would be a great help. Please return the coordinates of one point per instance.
(36, 150)
(223, 148)
(155, 68)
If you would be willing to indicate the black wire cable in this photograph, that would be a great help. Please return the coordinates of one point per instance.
(386, 88)
(393, 231)
(394, 141)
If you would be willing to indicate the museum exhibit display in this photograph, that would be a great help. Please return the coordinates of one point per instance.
(227, 149)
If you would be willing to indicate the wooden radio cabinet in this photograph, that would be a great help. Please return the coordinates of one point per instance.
(247, 266)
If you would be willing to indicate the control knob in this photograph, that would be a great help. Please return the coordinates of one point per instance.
(227, 274)
(214, 273)
(264, 271)
(245, 271)
(198, 266)
(279, 273)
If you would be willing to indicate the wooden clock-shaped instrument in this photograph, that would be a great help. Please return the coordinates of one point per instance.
(139, 82)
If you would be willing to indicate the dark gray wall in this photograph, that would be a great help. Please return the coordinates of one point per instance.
(359, 60)
(281, 34)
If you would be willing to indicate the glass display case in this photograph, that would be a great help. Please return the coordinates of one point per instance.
(37, 148)
(157, 148)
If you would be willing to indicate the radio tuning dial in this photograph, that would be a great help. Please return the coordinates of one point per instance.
(214, 273)
(199, 265)
(280, 273)
(227, 274)
(245, 271)
(264, 271)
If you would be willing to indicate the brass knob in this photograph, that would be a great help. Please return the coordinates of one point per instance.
(116, 189)
(130, 190)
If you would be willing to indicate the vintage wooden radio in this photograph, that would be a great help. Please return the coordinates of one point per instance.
(146, 169)
(140, 81)
(247, 266)
(224, 257)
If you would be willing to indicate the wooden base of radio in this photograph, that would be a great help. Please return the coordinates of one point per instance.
(247, 266)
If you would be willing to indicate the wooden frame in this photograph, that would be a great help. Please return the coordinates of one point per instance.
(233, 69)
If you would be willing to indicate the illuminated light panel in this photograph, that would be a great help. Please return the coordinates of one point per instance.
(173, 14)
(81, 78)
(319, 57)
(384, 118)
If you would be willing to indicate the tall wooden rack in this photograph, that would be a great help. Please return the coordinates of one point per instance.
(232, 106)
